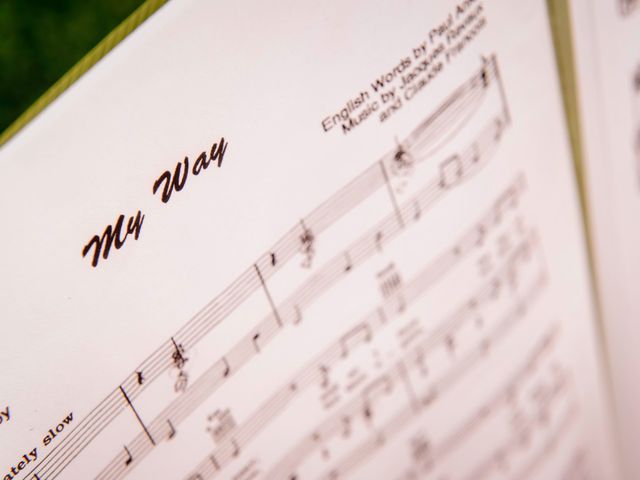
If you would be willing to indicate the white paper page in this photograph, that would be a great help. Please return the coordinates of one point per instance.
(607, 53)
(401, 297)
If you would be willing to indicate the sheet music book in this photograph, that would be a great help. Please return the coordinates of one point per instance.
(607, 63)
(293, 240)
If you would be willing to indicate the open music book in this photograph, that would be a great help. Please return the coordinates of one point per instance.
(295, 240)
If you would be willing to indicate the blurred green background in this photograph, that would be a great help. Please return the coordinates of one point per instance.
(41, 39)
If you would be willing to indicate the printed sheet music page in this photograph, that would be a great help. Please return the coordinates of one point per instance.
(293, 240)
(606, 39)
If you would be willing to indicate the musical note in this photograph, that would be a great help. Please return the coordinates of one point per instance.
(179, 360)
(507, 201)
(129, 458)
(421, 451)
(346, 426)
(172, 430)
(348, 263)
(417, 211)
(402, 165)
(379, 236)
(367, 412)
(181, 382)
(306, 246)
(139, 378)
(324, 452)
(450, 342)
(475, 156)
(255, 338)
(325, 376)
(360, 333)
(221, 424)
(389, 280)
(402, 159)
(485, 79)
(236, 448)
(451, 171)
(227, 368)
(382, 385)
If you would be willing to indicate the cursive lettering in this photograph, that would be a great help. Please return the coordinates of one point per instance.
(176, 181)
(112, 235)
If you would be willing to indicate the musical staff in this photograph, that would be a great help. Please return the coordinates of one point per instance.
(403, 417)
(437, 452)
(315, 372)
(553, 439)
(522, 436)
(363, 332)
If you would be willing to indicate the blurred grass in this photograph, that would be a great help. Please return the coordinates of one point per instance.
(41, 39)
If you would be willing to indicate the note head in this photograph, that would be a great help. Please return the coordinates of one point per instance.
(367, 412)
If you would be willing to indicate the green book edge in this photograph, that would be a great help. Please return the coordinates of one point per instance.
(562, 32)
(118, 34)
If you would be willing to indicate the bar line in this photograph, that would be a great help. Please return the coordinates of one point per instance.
(391, 195)
(144, 427)
(269, 298)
